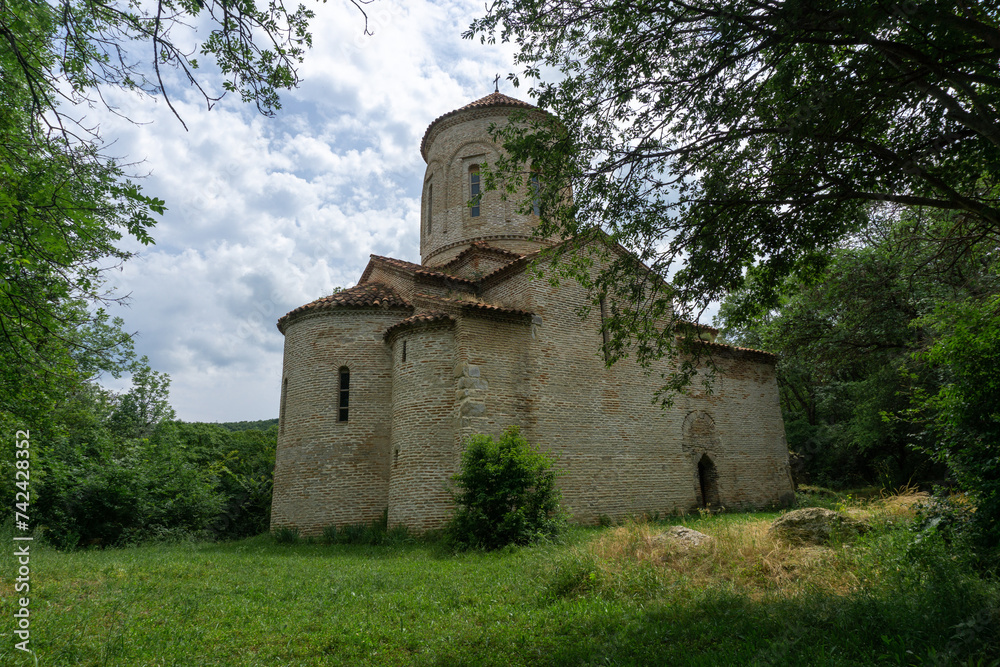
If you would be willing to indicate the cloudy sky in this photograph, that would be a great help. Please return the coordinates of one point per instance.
(268, 214)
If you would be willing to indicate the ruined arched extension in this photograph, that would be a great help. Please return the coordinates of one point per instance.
(701, 442)
(708, 483)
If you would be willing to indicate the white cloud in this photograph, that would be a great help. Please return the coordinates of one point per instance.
(268, 214)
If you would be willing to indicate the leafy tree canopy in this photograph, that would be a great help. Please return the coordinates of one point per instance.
(65, 203)
(727, 140)
(886, 360)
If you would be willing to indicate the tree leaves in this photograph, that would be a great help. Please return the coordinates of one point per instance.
(715, 139)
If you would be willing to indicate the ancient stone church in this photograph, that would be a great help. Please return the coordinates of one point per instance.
(382, 382)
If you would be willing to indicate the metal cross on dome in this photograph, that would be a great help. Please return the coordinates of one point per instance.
(496, 84)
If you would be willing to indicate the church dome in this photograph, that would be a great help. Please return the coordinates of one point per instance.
(455, 211)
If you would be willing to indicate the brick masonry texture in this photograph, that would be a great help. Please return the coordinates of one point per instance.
(329, 472)
(454, 144)
(451, 350)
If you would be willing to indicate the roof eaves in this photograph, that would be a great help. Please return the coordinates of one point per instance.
(363, 296)
(748, 351)
(420, 319)
(493, 100)
(476, 307)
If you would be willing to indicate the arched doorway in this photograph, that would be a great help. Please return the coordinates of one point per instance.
(708, 483)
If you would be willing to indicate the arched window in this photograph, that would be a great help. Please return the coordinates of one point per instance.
(430, 207)
(474, 192)
(345, 393)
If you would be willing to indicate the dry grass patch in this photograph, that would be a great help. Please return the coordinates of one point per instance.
(636, 558)
(741, 554)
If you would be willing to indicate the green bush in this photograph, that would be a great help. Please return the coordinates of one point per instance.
(504, 494)
(243, 465)
(286, 535)
(964, 414)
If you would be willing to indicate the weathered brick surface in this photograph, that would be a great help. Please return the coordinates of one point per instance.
(621, 453)
(519, 355)
(329, 472)
(425, 443)
(447, 226)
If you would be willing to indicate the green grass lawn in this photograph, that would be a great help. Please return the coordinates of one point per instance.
(601, 598)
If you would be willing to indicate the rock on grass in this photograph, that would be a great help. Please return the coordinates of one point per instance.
(815, 525)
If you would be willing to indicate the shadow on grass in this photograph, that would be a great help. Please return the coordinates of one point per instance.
(726, 628)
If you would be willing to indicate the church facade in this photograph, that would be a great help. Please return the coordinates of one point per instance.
(383, 382)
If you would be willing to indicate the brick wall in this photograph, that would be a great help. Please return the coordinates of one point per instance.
(620, 452)
(424, 443)
(327, 471)
(461, 142)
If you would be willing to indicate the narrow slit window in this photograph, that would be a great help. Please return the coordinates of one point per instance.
(474, 190)
(345, 394)
(605, 334)
(284, 398)
(404, 350)
(536, 201)
(430, 208)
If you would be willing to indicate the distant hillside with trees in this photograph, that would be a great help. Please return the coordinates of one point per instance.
(260, 425)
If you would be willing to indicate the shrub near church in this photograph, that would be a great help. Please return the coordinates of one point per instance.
(505, 494)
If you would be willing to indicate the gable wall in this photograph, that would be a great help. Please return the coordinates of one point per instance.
(394, 278)
(521, 243)
(751, 453)
(621, 453)
(477, 265)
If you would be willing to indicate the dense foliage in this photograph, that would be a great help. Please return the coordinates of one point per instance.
(721, 141)
(505, 493)
(111, 470)
(65, 202)
(829, 167)
(107, 468)
(964, 414)
(887, 359)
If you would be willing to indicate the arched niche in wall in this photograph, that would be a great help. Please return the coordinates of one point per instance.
(432, 200)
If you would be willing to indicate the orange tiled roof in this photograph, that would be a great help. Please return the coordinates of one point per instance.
(419, 270)
(474, 305)
(367, 295)
(745, 350)
(482, 247)
(510, 267)
(495, 99)
(491, 100)
(419, 318)
(696, 325)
